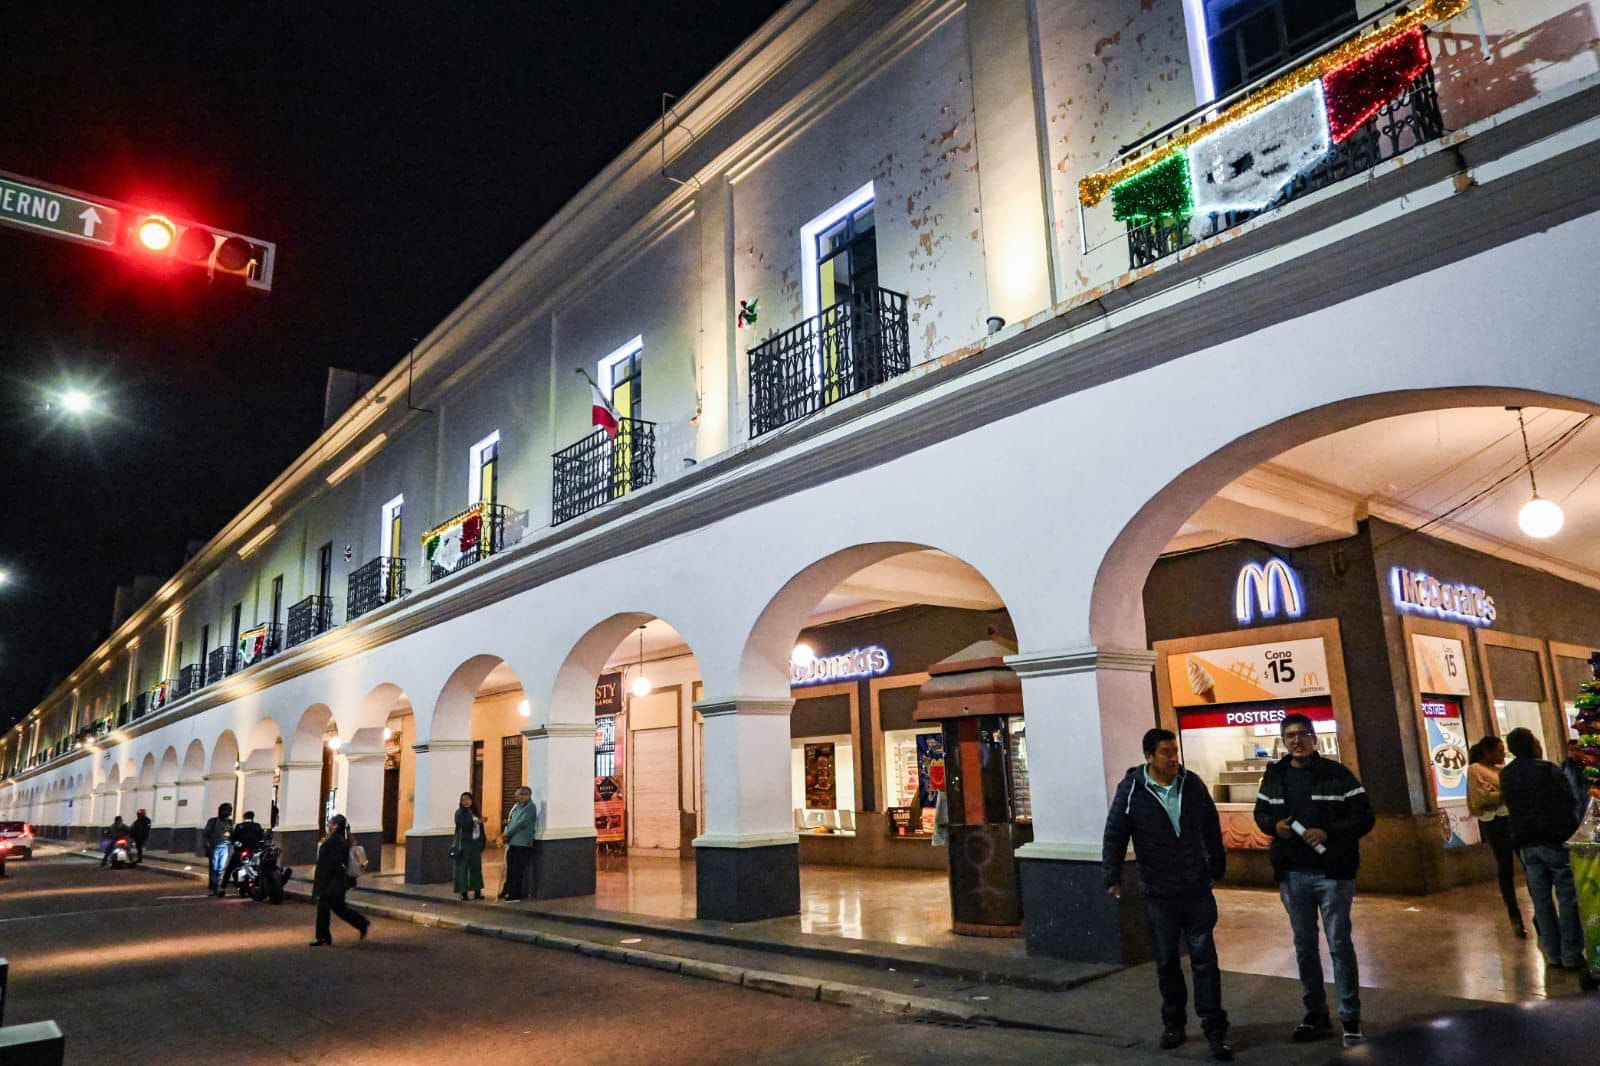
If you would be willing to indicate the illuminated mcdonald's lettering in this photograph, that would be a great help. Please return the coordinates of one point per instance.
(1271, 587)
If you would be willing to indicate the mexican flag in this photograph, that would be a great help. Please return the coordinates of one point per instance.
(445, 547)
(605, 416)
(252, 644)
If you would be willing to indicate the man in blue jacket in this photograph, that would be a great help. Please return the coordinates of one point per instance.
(1169, 815)
(1316, 812)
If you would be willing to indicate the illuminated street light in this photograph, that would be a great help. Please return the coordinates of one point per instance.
(5, 576)
(77, 402)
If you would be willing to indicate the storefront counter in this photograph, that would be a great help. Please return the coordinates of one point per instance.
(873, 845)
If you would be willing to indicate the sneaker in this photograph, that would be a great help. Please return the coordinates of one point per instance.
(1352, 1031)
(1314, 1027)
(1221, 1050)
(1172, 1037)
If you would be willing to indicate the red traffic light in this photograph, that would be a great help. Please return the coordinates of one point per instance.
(155, 233)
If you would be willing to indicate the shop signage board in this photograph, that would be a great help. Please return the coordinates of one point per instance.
(871, 661)
(1253, 716)
(1265, 589)
(1447, 759)
(1250, 673)
(1441, 665)
(1415, 591)
(821, 792)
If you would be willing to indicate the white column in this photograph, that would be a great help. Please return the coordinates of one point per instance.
(299, 790)
(560, 771)
(444, 770)
(1086, 710)
(747, 863)
(363, 795)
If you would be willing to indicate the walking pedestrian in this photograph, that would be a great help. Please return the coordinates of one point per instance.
(1316, 812)
(217, 841)
(331, 881)
(141, 831)
(1169, 815)
(467, 848)
(1543, 816)
(1484, 799)
(519, 834)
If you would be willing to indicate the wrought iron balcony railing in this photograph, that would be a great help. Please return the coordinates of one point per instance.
(374, 584)
(463, 539)
(219, 664)
(600, 468)
(190, 679)
(850, 347)
(310, 616)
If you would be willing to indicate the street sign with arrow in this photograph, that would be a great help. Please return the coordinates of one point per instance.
(29, 206)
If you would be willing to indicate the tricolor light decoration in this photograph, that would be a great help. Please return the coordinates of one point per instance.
(445, 545)
(1321, 103)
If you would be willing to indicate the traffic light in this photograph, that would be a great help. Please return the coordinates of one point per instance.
(217, 251)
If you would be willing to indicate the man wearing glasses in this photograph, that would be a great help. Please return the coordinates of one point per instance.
(1316, 812)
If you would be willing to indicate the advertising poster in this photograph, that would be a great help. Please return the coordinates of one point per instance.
(821, 794)
(1447, 758)
(1441, 665)
(1250, 673)
(930, 768)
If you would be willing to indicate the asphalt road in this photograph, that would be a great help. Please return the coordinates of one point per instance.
(137, 967)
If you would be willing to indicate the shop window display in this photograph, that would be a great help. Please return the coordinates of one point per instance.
(1230, 747)
(1523, 714)
(822, 776)
(913, 777)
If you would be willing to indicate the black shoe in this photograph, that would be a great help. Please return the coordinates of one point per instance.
(513, 899)
(1352, 1031)
(1315, 1027)
(463, 897)
(1171, 1037)
(477, 895)
(364, 929)
(1221, 1050)
(321, 943)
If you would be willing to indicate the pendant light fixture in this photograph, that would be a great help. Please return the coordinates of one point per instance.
(641, 684)
(1539, 518)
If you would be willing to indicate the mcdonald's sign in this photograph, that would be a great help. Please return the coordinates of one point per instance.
(1265, 589)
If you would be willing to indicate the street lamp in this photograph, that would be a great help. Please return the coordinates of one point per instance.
(77, 402)
(5, 579)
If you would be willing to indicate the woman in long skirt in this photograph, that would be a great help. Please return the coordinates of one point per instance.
(468, 848)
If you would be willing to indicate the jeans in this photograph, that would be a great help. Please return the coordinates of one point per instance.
(333, 903)
(220, 855)
(1497, 831)
(1547, 867)
(518, 859)
(1187, 919)
(1306, 896)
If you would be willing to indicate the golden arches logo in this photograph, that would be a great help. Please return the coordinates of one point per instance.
(1272, 586)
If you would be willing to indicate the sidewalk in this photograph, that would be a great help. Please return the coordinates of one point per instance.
(1115, 1005)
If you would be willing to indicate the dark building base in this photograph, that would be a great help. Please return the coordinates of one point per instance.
(185, 840)
(1068, 914)
(562, 868)
(299, 848)
(428, 859)
(160, 839)
(747, 884)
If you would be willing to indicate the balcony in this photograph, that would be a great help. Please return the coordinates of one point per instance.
(1361, 100)
(374, 584)
(463, 539)
(125, 714)
(600, 468)
(191, 678)
(310, 616)
(848, 348)
(219, 664)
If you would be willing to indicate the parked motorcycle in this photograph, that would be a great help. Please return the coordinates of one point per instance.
(123, 853)
(260, 874)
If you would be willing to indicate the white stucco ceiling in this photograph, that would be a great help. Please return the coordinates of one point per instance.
(1412, 469)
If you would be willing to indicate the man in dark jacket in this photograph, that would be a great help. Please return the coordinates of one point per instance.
(1316, 812)
(1169, 815)
(141, 831)
(1543, 816)
(109, 835)
(216, 843)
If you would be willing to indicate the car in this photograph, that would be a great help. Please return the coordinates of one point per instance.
(17, 839)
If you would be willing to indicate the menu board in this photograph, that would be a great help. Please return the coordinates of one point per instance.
(609, 827)
(821, 790)
(1447, 759)
(1441, 665)
(930, 768)
(1249, 673)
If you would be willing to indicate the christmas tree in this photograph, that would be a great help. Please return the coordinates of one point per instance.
(1587, 728)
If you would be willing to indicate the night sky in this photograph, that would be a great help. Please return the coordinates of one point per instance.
(396, 154)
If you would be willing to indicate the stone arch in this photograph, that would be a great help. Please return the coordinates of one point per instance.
(147, 771)
(451, 719)
(167, 768)
(224, 753)
(304, 744)
(194, 762)
(1116, 611)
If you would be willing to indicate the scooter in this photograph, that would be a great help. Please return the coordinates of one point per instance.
(259, 875)
(123, 853)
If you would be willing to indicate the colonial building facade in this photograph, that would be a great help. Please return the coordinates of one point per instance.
(1022, 283)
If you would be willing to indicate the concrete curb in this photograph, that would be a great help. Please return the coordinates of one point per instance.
(839, 993)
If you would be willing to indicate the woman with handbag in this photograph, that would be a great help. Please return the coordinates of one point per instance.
(1486, 757)
(332, 880)
(467, 848)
